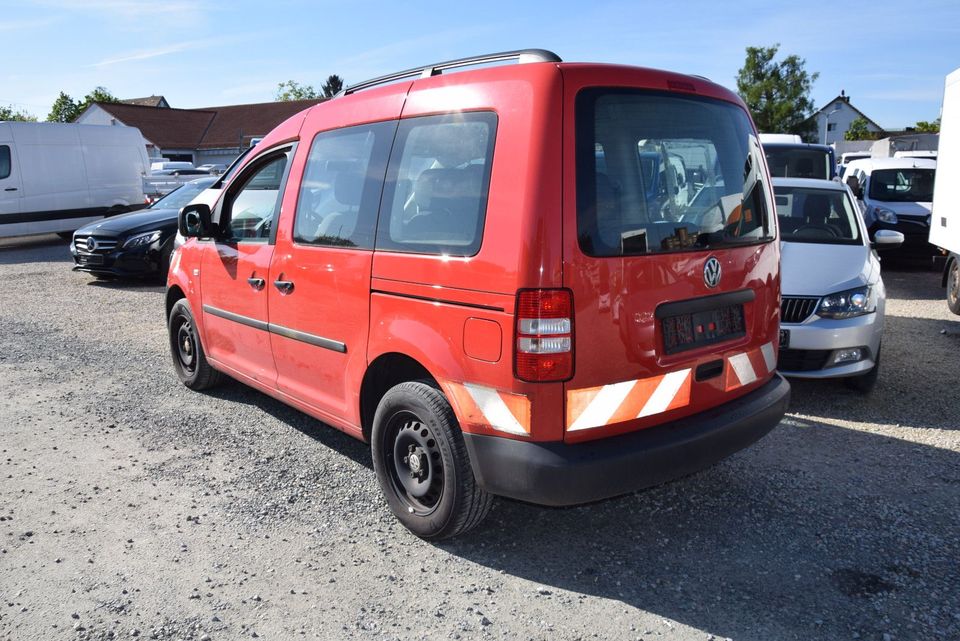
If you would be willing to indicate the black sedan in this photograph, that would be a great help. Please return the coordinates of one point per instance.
(138, 244)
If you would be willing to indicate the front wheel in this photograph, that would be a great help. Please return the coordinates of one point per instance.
(189, 361)
(953, 286)
(422, 465)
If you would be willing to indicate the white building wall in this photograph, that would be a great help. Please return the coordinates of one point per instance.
(843, 117)
(96, 115)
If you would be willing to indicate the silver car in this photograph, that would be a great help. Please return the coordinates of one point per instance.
(833, 299)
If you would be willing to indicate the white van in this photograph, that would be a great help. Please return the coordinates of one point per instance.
(164, 165)
(896, 194)
(945, 226)
(59, 177)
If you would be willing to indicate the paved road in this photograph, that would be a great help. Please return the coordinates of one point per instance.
(132, 507)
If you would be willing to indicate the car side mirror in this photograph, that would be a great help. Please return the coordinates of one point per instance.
(195, 221)
(886, 239)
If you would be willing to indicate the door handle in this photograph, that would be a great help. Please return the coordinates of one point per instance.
(285, 286)
(10, 189)
(256, 283)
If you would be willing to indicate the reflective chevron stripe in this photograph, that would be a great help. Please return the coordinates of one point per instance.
(747, 367)
(608, 404)
(480, 405)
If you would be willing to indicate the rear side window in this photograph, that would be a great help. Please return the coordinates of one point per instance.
(661, 172)
(4, 161)
(436, 195)
(340, 192)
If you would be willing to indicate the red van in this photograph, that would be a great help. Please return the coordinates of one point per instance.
(547, 281)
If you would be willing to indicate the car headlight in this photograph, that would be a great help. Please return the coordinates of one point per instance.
(885, 215)
(853, 302)
(141, 240)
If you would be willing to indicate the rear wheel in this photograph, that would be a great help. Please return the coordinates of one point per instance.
(189, 361)
(864, 383)
(422, 465)
(953, 286)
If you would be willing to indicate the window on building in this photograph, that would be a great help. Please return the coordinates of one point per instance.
(831, 126)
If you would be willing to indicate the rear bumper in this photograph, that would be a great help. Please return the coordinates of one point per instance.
(554, 473)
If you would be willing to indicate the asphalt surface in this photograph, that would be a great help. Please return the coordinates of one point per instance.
(132, 507)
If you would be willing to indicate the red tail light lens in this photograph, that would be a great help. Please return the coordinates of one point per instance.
(544, 335)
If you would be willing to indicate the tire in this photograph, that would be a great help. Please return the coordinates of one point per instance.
(443, 499)
(864, 383)
(953, 286)
(189, 360)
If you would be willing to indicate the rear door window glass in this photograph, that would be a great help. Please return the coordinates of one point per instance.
(437, 182)
(341, 187)
(798, 162)
(662, 172)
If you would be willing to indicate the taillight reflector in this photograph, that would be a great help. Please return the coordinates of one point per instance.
(544, 335)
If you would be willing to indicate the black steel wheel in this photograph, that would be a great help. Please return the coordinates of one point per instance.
(189, 361)
(422, 464)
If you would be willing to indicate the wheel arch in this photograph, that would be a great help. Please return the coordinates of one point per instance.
(384, 372)
(174, 293)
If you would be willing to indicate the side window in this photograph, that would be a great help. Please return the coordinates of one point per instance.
(4, 161)
(342, 182)
(251, 209)
(437, 183)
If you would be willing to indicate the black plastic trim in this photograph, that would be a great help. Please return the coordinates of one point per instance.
(706, 303)
(555, 473)
(279, 330)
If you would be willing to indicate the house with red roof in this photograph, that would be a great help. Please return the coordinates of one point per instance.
(214, 135)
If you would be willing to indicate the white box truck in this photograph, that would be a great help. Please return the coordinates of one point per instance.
(945, 213)
(58, 177)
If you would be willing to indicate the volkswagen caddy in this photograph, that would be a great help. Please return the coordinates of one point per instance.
(464, 265)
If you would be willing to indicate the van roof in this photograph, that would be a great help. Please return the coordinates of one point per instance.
(867, 165)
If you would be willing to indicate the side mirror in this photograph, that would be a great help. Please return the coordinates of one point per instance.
(886, 239)
(195, 221)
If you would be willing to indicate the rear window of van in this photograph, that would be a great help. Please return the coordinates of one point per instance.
(660, 172)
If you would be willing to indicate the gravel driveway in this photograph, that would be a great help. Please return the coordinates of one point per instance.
(133, 507)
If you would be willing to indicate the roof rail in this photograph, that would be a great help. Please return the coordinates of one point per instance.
(522, 56)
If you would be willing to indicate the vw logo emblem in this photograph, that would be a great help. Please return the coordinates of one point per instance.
(91, 244)
(711, 272)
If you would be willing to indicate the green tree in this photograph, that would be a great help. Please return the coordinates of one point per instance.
(925, 127)
(332, 86)
(858, 130)
(9, 113)
(64, 109)
(777, 93)
(293, 90)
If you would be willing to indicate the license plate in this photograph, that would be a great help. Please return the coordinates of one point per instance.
(93, 259)
(689, 331)
(784, 338)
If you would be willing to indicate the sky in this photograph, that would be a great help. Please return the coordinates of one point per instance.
(890, 57)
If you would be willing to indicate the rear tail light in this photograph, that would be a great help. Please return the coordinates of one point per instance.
(544, 335)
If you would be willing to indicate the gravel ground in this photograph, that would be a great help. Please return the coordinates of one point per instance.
(133, 507)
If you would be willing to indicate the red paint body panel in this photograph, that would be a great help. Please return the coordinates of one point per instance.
(455, 315)
(225, 270)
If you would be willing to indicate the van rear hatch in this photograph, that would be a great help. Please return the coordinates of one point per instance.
(669, 249)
